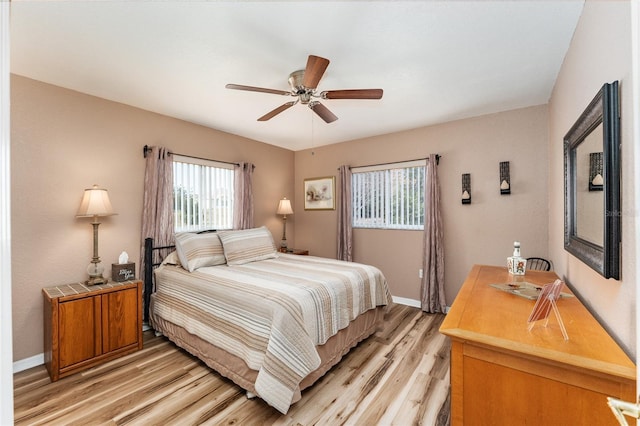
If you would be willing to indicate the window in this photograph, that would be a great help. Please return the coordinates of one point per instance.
(202, 194)
(389, 196)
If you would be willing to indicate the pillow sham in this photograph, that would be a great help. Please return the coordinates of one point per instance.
(172, 259)
(199, 250)
(247, 245)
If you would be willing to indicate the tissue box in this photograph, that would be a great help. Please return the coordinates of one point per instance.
(123, 272)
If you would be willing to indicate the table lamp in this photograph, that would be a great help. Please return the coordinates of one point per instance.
(95, 202)
(284, 208)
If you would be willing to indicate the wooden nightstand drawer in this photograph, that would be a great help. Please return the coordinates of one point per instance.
(85, 326)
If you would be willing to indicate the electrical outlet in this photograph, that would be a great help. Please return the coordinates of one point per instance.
(420, 274)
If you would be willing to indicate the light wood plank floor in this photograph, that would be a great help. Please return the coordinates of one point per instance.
(399, 376)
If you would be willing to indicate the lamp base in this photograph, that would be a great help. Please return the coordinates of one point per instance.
(95, 270)
(96, 281)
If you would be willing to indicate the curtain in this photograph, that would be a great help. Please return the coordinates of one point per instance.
(432, 298)
(345, 237)
(243, 196)
(157, 209)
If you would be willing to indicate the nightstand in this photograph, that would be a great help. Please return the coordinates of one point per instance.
(88, 325)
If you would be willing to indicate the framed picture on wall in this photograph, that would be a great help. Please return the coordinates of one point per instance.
(319, 193)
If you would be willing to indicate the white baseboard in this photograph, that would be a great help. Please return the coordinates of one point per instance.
(404, 301)
(413, 303)
(27, 363)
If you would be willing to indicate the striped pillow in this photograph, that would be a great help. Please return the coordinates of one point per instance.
(247, 245)
(199, 250)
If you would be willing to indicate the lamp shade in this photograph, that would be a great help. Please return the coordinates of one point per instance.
(95, 202)
(284, 207)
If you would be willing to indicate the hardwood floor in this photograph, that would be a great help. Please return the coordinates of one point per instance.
(398, 376)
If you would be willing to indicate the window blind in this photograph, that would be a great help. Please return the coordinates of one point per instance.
(203, 194)
(389, 196)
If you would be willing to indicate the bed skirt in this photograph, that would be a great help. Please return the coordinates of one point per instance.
(235, 369)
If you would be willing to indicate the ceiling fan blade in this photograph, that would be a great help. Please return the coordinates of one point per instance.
(352, 94)
(316, 67)
(277, 111)
(323, 112)
(257, 89)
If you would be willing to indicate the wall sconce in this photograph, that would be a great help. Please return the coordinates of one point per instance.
(284, 208)
(505, 180)
(95, 202)
(596, 181)
(466, 188)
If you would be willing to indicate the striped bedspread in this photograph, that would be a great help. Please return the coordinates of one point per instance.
(271, 313)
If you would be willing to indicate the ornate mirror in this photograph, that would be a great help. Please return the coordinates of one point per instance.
(592, 184)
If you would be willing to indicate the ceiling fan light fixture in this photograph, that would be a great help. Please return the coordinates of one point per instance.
(295, 81)
(297, 87)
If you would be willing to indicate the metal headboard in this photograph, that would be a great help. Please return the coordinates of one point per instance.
(149, 266)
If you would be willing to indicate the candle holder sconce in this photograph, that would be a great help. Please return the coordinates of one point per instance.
(505, 179)
(466, 188)
(596, 181)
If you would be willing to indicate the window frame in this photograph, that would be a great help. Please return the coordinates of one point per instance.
(388, 195)
(212, 196)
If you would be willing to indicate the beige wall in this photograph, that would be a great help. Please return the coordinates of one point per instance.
(600, 52)
(63, 142)
(482, 232)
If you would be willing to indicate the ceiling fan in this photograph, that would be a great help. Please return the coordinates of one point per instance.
(303, 85)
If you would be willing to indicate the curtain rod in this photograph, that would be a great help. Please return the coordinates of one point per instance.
(397, 162)
(148, 149)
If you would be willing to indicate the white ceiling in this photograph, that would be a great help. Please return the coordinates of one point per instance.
(437, 61)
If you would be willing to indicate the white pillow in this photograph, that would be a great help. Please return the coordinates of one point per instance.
(199, 250)
(247, 245)
(172, 259)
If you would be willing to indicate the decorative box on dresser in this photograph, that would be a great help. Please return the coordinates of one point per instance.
(88, 325)
(502, 374)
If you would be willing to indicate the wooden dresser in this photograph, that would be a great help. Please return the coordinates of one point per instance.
(503, 374)
(85, 326)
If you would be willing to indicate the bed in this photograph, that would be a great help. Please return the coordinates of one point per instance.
(273, 323)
